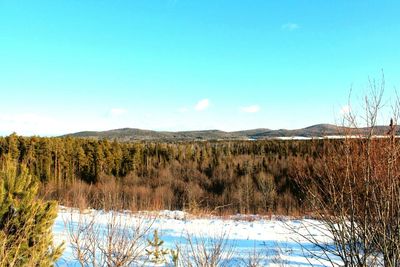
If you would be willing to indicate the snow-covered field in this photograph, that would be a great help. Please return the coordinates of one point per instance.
(276, 241)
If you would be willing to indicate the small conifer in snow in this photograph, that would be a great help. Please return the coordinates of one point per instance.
(155, 251)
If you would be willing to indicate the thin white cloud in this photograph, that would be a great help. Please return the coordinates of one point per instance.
(44, 124)
(202, 105)
(28, 124)
(25, 118)
(117, 111)
(251, 109)
(290, 26)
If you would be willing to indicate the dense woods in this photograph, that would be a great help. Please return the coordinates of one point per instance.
(220, 176)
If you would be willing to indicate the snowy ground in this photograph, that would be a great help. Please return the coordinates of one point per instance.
(275, 240)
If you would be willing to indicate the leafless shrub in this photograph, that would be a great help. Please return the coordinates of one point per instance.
(118, 241)
(206, 251)
(254, 259)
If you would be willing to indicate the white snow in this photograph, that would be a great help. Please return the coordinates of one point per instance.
(279, 241)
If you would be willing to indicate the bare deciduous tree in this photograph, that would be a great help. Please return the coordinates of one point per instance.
(355, 190)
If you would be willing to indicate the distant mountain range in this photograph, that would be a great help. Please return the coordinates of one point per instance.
(315, 131)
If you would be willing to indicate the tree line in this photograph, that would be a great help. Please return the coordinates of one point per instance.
(223, 176)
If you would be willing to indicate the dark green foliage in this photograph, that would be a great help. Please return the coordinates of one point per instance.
(25, 222)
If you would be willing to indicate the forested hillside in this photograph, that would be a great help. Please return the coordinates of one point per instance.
(221, 176)
(314, 131)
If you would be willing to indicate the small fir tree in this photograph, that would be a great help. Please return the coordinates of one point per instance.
(25, 222)
(175, 256)
(156, 253)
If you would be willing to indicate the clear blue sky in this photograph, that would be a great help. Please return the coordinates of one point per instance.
(68, 66)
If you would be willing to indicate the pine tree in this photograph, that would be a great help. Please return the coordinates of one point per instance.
(156, 252)
(25, 221)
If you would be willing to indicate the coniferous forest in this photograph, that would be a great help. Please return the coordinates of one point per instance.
(220, 176)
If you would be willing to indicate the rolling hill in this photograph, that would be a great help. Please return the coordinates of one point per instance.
(133, 134)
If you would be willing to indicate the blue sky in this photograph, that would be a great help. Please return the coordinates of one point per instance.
(68, 66)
